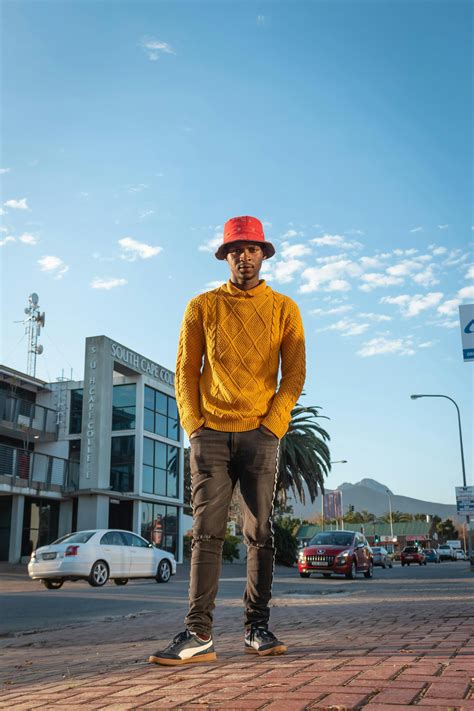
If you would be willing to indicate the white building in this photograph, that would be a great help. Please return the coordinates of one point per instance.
(106, 451)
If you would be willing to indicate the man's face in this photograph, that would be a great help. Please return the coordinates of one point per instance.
(245, 261)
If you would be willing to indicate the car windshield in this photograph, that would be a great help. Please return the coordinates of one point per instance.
(332, 538)
(79, 537)
(411, 549)
(445, 547)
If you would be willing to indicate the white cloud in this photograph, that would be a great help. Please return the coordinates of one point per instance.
(338, 285)
(470, 272)
(403, 268)
(336, 241)
(17, 204)
(292, 251)
(417, 229)
(330, 274)
(28, 239)
(449, 307)
(145, 213)
(214, 242)
(53, 265)
(107, 284)
(214, 284)
(330, 312)
(284, 272)
(443, 227)
(6, 240)
(382, 346)
(4, 170)
(406, 252)
(413, 305)
(331, 258)
(426, 277)
(154, 48)
(448, 324)
(439, 250)
(376, 317)
(260, 20)
(347, 327)
(466, 292)
(455, 257)
(133, 250)
(136, 188)
(370, 262)
(374, 279)
(291, 233)
(427, 344)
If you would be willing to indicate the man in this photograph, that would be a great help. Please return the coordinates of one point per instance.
(231, 344)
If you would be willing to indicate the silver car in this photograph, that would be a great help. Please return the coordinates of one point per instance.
(382, 557)
(98, 555)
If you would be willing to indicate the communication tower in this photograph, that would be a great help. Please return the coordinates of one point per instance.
(33, 322)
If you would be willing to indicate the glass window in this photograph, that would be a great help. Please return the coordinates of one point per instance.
(123, 407)
(160, 468)
(131, 540)
(81, 537)
(75, 412)
(161, 414)
(112, 538)
(160, 526)
(122, 464)
(40, 524)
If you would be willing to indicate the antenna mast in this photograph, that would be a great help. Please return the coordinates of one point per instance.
(33, 322)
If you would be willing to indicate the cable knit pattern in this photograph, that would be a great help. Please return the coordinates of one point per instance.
(231, 346)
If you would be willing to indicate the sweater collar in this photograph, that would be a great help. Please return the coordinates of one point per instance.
(235, 291)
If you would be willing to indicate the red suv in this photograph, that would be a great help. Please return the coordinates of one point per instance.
(340, 552)
(413, 554)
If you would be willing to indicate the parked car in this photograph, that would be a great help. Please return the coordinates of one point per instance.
(382, 557)
(99, 555)
(431, 555)
(460, 555)
(413, 554)
(336, 552)
(446, 552)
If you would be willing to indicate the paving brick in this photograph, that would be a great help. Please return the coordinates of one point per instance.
(396, 696)
(344, 701)
(446, 690)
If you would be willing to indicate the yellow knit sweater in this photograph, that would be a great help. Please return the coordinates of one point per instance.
(243, 337)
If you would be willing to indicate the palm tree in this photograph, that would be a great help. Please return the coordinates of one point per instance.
(304, 456)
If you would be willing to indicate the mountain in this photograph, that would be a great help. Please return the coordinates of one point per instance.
(371, 495)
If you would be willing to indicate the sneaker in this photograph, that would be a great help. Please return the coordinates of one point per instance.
(259, 640)
(185, 648)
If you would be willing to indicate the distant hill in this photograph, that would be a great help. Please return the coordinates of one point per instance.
(371, 495)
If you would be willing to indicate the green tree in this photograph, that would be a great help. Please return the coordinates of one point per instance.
(304, 456)
(286, 545)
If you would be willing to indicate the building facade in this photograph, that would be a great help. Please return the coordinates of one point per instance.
(106, 451)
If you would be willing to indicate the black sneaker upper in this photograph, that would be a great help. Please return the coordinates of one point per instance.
(260, 638)
(186, 645)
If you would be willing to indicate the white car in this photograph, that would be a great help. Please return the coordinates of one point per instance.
(99, 555)
(460, 555)
(446, 552)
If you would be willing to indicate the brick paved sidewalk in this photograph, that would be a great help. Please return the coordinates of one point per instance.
(417, 653)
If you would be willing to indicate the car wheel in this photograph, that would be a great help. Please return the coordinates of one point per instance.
(326, 575)
(384, 566)
(99, 574)
(353, 571)
(403, 565)
(163, 574)
(391, 564)
(53, 584)
(120, 581)
(370, 572)
(305, 575)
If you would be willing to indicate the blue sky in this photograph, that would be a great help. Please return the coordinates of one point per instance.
(133, 130)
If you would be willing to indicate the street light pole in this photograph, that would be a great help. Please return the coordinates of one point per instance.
(468, 518)
(340, 461)
(390, 510)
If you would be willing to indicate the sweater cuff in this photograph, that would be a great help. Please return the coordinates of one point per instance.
(190, 424)
(276, 425)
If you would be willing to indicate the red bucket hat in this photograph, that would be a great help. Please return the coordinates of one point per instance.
(244, 229)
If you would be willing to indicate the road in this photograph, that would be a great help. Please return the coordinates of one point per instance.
(27, 606)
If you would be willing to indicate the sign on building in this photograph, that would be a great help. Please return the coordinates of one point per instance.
(465, 499)
(466, 318)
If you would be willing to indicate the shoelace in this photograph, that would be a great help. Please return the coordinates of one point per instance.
(263, 632)
(181, 637)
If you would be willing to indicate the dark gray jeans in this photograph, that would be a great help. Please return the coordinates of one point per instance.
(218, 461)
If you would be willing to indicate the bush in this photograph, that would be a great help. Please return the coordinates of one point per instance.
(286, 544)
(230, 550)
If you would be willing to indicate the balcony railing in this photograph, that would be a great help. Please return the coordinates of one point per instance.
(27, 417)
(34, 467)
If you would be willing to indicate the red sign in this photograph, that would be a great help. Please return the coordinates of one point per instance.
(419, 537)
